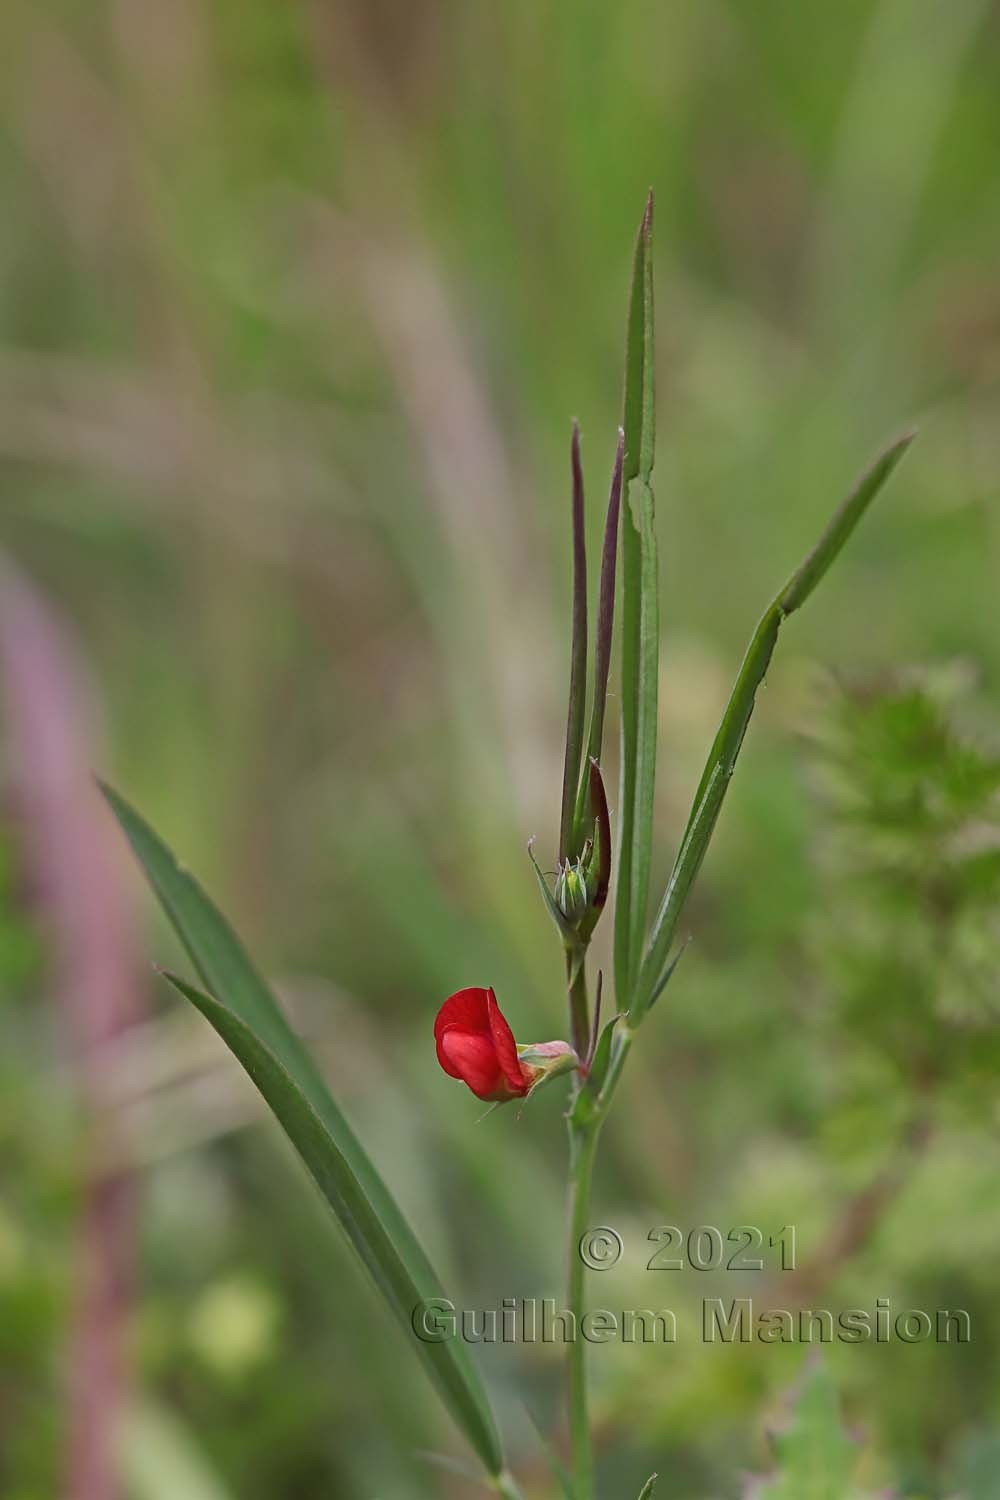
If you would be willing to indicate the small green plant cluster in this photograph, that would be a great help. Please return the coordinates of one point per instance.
(911, 771)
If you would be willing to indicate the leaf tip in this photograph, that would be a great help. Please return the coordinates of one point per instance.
(574, 449)
(576, 467)
(899, 444)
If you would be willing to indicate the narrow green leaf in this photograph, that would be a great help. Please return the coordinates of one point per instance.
(603, 635)
(595, 1030)
(246, 1015)
(578, 663)
(405, 1285)
(599, 868)
(640, 622)
(729, 738)
(648, 1488)
(841, 524)
(668, 974)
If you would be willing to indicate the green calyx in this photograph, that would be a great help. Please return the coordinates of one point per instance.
(572, 894)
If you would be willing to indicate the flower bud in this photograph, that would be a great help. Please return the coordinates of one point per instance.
(572, 896)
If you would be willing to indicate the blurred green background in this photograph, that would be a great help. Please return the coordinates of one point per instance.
(297, 304)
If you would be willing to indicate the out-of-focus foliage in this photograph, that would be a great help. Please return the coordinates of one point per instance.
(297, 302)
(815, 1458)
(914, 782)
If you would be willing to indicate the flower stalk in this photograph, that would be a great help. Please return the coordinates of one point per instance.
(582, 1150)
(579, 1009)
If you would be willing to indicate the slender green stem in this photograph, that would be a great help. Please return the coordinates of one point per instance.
(583, 1144)
(583, 1138)
(579, 1009)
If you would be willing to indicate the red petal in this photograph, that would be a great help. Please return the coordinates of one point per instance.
(443, 1057)
(506, 1048)
(471, 1056)
(466, 1008)
(475, 1044)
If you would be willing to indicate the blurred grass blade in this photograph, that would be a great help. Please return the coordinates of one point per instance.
(160, 1458)
(640, 622)
(648, 1488)
(560, 1473)
(578, 664)
(247, 1017)
(448, 1464)
(726, 746)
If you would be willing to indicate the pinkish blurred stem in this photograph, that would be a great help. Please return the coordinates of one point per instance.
(83, 906)
(99, 1376)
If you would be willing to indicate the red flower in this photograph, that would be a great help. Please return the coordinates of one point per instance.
(475, 1043)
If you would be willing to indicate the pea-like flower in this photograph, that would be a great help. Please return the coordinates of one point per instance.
(475, 1044)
